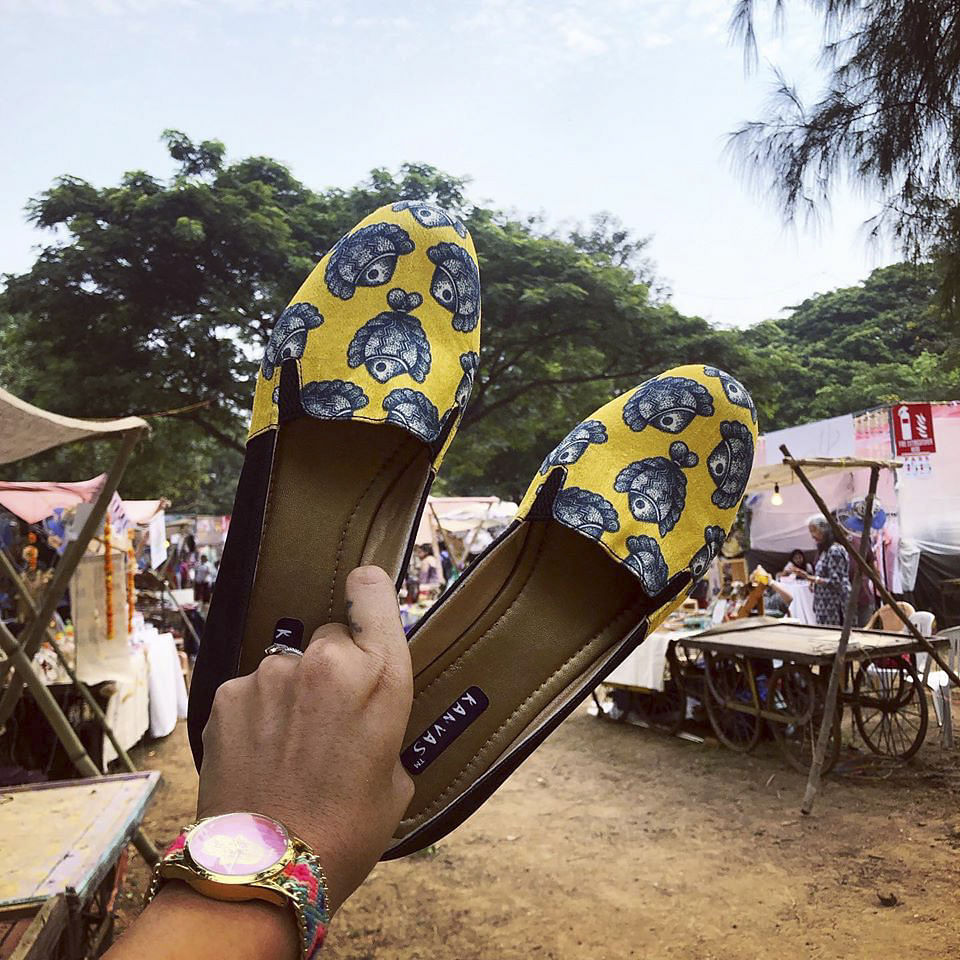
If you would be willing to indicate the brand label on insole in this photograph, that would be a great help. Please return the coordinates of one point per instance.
(289, 631)
(444, 730)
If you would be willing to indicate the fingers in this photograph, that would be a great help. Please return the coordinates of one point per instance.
(373, 616)
(329, 633)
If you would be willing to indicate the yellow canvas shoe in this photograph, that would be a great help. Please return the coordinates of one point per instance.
(626, 513)
(360, 390)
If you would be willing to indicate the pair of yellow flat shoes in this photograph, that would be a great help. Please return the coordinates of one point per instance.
(361, 388)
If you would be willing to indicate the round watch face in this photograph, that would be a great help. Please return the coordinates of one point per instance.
(237, 844)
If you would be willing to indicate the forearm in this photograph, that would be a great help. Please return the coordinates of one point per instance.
(180, 925)
(785, 595)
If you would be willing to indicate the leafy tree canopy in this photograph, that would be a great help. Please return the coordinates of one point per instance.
(883, 341)
(158, 295)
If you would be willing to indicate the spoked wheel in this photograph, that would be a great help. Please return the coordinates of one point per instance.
(890, 707)
(667, 709)
(728, 682)
(797, 695)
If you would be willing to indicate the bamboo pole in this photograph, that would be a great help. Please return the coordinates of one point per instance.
(839, 659)
(865, 567)
(61, 727)
(30, 641)
(182, 613)
(84, 690)
(455, 555)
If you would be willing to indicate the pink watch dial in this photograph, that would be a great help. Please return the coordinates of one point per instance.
(237, 844)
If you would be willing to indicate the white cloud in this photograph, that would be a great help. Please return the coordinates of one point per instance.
(580, 40)
(655, 39)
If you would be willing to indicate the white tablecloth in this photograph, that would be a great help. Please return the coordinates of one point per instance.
(128, 710)
(801, 607)
(168, 691)
(644, 667)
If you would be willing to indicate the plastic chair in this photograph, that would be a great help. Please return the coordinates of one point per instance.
(936, 680)
(926, 623)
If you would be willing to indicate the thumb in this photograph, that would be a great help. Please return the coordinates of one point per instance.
(373, 614)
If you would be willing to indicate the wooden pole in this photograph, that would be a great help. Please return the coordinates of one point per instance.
(839, 660)
(455, 556)
(84, 690)
(61, 726)
(182, 613)
(30, 641)
(866, 569)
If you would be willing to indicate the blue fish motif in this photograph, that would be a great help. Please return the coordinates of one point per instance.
(393, 342)
(730, 463)
(713, 538)
(332, 399)
(366, 258)
(656, 487)
(736, 392)
(668, 404)
(585, 511)
(456, 284)
(470, 364)
(412, 410)
(430, 215)
(288, 339)
(571, 448)
(646, 560)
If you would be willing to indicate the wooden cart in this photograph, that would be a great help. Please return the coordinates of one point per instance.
(753, 676)
(62, 861)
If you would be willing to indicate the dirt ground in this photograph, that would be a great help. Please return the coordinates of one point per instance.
(614, 842)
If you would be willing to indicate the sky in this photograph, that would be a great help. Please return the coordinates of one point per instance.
(561, 108)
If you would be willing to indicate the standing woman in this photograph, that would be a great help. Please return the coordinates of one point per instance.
(831, 578)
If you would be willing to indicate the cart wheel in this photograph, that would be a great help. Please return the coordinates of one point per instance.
(727, 680)
(796, 693)
(890, 706)
(667, 709)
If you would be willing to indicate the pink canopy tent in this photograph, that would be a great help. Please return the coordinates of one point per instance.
(34, 502)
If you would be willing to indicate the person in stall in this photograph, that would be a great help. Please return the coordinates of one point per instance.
(831, 576)
(429, 572)
(798, 564)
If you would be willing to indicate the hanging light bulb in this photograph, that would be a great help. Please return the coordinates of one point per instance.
(775, 499)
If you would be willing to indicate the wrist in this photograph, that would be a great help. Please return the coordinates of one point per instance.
(241, 857)
(180, 924)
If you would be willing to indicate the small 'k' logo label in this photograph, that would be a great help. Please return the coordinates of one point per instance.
(289, 630)
(444, 730)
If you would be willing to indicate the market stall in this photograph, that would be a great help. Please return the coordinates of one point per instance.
(24, 431)
(453, 531)
(917, 548)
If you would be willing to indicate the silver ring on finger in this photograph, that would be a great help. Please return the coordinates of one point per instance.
(282, 648)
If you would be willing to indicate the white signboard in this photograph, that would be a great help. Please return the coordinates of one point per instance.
(825, 438)
(158, 540)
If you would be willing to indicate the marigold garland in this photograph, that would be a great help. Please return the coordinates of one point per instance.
(108, 575)
(131, 589)
(30, 553)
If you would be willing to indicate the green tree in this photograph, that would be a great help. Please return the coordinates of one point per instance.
(159, 295)
(882, 341)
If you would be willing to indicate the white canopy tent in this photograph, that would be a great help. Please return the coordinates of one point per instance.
(466, 524)
(26, 429)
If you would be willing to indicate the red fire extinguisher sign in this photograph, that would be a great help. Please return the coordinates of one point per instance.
(913, 429)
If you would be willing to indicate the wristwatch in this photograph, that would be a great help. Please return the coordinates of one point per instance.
(247, 856)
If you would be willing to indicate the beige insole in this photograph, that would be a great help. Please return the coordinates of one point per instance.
(343, 493)
(542, 608)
